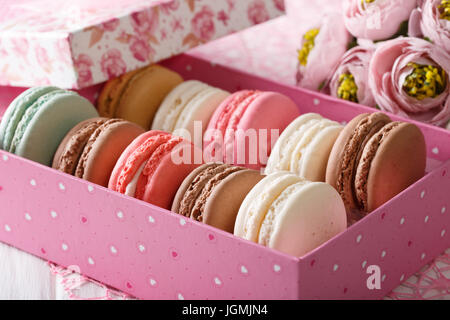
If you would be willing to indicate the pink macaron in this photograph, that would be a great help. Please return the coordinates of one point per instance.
(153, 167)
(245, 126)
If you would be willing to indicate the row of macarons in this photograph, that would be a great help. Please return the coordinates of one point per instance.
(368, 162)
(310, 146)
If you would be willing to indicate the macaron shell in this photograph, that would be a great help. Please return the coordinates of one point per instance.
(72, 146)
(112, 91)
(280, 156)
(347, 150)
(15, 111)
(50, 124)
(226, 198)
(312, 164)
(162, 187)
(256, 204)
(174, 104)
(122, 161)
(200, 109)
(269, 111)
(144, 94)
(187, 183)
(215, 132)
(102, 152)
(311, 214)
(398, 162)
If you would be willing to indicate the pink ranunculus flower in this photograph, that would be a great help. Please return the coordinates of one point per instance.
(427, 21)
(393, 69)
(378, 19)
(355, 64)
(203, 24)
(257, 12)
(145, 22)
(112, 64)
(140, 49)
(83, 66)
(321, 49)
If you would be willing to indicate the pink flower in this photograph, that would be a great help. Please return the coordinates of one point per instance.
(141, 49)
(329, 43)
(145, 22)
(279, 4)
(426, 21)
(377, 20)
(112, 64)
(171, 6)
(83, 66)
(393, 64)
(257, 12)
(203, 24)
(355, 62)
(111, 25)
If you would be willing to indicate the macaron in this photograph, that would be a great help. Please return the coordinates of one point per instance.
(137, 95)
(290, 214)
(91, 149)
(153, 167)
(35, 123)
(373, 160)
(190, 102)
(304, 147)
(246, 125)
(213, 194)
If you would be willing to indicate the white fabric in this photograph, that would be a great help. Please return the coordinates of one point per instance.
(26, 277)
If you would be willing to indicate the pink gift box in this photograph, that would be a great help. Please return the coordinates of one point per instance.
(86, 42)
(152, 253)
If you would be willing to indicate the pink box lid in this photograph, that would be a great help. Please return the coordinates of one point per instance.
(87, 42)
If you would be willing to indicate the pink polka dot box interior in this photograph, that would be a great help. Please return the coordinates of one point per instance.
(142, 175)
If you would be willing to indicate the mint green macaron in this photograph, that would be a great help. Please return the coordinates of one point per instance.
(37, 120)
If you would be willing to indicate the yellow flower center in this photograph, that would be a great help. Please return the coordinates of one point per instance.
(425, 81)
(347, 90)
(308, 44)
(364, 2)
(444, 9)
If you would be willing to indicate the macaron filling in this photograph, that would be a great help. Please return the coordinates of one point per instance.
(372, 147)
(137, 158)
(130, 190)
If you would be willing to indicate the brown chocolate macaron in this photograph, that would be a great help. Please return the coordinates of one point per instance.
(213, 194)
(373, 160)
(91, 149)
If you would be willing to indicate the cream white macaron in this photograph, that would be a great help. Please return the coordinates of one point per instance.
(290, 214)
(190, 102)
(304, 147)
